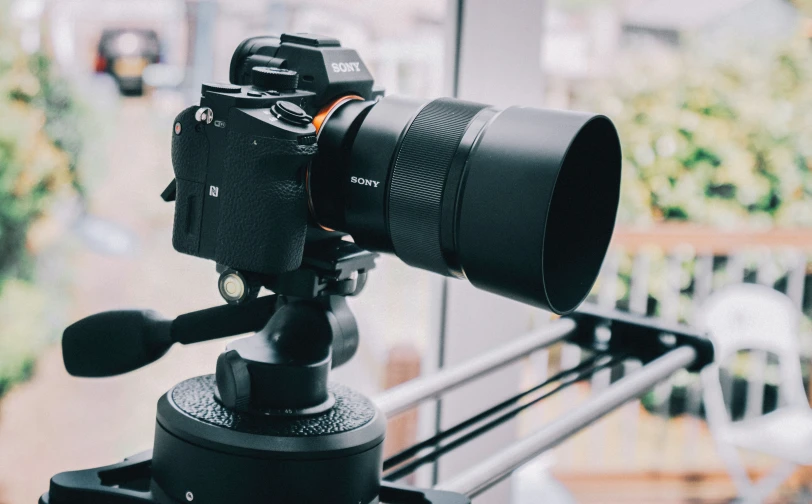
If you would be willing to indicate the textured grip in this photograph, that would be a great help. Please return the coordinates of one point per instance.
(190, 152)
(419, 177)
(263, 212)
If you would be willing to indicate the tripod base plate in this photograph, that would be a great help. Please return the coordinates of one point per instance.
(218, 455)
(128, 482)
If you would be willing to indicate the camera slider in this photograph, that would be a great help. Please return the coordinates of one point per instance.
(268, 426)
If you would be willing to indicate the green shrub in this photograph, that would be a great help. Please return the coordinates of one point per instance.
(39, 148)
(723, 142)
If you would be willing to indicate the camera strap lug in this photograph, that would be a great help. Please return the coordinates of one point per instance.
(171, 192)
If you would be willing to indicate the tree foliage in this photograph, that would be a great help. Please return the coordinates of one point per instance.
(39, 147)
(722, 142)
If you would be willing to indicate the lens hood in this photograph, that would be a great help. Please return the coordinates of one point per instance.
(538, 205)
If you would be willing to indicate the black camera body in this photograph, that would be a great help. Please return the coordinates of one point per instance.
(240, 157)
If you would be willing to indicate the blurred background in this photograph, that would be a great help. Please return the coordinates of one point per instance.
(713, 101)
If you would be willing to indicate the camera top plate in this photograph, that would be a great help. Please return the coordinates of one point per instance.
(216, 96)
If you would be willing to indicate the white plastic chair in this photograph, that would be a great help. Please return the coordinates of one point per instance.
(755, 317)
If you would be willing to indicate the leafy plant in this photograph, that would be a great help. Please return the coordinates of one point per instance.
(40, 144)
(721, 142)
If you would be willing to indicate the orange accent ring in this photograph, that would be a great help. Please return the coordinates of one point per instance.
(318, 121)
(324, 113)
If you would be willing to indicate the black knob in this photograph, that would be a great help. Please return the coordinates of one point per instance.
(291, 113)
(275, 78)
(233, 381)
(219, 87)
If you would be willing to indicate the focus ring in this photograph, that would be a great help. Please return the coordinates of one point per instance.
(418, 180)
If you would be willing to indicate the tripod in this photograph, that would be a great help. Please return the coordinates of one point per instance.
(268, 426)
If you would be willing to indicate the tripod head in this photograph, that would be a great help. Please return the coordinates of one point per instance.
(302, 332)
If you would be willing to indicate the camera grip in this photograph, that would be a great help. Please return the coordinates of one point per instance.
(190, 153)
(263, 208)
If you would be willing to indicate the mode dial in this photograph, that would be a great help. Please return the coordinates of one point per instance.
(279, 79)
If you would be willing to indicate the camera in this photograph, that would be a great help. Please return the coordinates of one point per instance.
(301, 147)
(240, 158)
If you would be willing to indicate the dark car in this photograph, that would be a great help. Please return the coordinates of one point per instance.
(125, 53)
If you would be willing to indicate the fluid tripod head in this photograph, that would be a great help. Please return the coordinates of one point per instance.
(303, 331)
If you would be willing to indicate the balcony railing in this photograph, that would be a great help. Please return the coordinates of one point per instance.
(669, 272)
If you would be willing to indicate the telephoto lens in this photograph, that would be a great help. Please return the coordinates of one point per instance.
(520, 201)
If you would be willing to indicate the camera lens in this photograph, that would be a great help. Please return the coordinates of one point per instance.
(519, 201)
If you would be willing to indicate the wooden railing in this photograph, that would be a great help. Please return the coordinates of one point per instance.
(705, 239)
(676, 267)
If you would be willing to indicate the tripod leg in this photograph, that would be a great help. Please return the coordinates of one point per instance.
(394, 493)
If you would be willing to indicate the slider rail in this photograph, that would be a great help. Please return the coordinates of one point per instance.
(644, 338)
(636, 336)
(611, 335)
(494, 416)
(404, 397)
(491, 471)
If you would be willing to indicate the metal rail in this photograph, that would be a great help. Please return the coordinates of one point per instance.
(403, 397)
(493, 417)
(493, 470)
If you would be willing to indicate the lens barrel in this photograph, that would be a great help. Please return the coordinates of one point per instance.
(520, 201)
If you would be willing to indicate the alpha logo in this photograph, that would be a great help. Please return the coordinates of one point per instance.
(214, 191)
(364, 182)
(352, 66)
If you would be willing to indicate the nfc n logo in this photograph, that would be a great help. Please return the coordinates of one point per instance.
(213, 191)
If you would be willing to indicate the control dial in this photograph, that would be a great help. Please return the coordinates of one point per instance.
(280, 79)
(220, 87)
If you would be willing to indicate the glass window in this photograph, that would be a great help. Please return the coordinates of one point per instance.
(103, 241)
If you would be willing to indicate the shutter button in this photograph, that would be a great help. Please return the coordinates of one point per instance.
(291, 113)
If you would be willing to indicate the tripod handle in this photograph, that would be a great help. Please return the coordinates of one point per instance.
(116, 342)
(223, 321)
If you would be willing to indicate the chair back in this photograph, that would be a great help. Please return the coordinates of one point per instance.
(752, 317)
